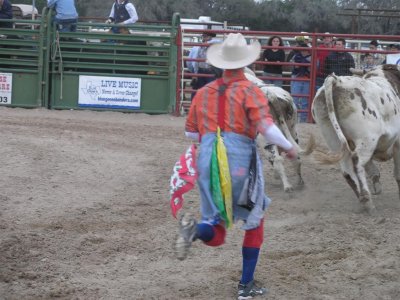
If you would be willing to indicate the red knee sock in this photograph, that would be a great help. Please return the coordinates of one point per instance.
(219, 236)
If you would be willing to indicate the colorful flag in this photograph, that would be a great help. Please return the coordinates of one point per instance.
(220, 180)
(224, 178)
(215, 184)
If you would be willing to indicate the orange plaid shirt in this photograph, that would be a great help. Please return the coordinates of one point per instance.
(246, 107)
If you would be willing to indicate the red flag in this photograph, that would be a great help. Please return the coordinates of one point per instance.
(183, 178)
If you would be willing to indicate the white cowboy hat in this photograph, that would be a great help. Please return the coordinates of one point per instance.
(233, 53)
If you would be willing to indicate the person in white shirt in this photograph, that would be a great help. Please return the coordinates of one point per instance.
(122, 12)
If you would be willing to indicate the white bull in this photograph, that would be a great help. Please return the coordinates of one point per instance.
(284, 111)
(359, 118)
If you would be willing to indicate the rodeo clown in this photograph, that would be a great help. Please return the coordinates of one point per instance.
(231, 110)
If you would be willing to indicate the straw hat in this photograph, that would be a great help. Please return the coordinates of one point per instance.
(233, 53)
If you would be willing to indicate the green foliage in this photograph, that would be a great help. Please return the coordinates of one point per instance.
(268, 15)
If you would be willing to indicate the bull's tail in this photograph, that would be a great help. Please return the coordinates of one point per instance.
(322, 156)
(327, 158)
(310, 146)
(319, 154)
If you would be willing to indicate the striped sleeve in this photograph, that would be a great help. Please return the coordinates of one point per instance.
(191, 124)
(257, 107)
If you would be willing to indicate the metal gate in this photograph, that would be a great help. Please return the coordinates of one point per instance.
(97, 69)
(21, 64)
(92, 68)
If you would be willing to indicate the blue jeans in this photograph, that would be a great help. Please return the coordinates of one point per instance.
(272, 81)
(300, 88)
(65, 25)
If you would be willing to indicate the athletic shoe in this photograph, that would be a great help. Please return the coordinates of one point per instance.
(250, 290)
(187, 234)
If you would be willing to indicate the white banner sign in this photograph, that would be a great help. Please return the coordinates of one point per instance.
(5, 88)
(109, 92)
(393, 59)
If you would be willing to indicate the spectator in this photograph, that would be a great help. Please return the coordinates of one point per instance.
(301, 87)
(299, 40)
(244, 113)
(339, 62)
(66, 14)
(327, 42)
(368, 62)
(202, 67)
(122, 12)
(393, 47)
(373, 45)
(274, 55)
(307, 39)
(378, 58)
(6, 13)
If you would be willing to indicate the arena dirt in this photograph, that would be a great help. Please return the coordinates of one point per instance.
(84, 214)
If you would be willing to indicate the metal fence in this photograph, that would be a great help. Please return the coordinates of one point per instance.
(356, 45)
(142, 69)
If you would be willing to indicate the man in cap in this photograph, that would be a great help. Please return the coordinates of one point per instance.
(240, 109)
(300, 39)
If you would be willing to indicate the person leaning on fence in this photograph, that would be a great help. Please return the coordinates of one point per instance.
(274, 55)
(301, 87)
(66, 14)
(123, 13)
(202, 67)
(6, 13)
(339, 62)
(240, 109)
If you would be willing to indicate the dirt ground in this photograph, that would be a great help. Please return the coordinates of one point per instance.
(84, 214)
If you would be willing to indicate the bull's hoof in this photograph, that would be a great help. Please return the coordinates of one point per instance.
(300, 182)
(288, 189)
(370, 208)
(376, 188)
